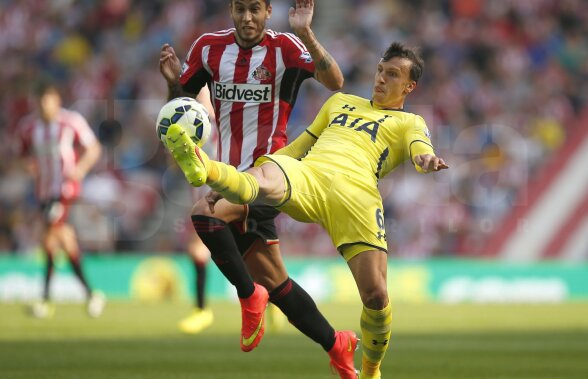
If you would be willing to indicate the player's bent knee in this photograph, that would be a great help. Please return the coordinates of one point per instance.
(375, 299)
(272, 182)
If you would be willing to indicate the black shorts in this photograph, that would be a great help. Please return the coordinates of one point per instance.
(55, 211)
(259, 223)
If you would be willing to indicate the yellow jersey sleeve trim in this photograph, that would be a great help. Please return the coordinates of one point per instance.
(308, 131)
(299, 147)
(422, 148)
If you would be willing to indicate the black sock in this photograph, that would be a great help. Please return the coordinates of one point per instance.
(302, 312)
(200, 282)
(217, 236)
(77, 268)
(48, 274)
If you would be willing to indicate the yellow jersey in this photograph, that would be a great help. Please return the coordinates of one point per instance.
(363, 140)
(332, 170)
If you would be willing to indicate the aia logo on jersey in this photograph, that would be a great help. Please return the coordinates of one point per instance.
(261, 73)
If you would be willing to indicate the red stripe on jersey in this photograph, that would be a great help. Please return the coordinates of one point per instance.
(215, 55)
(265, 118)
(241, 73)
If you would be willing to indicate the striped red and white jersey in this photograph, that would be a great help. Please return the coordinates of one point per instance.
(54, 148)
(253, 90)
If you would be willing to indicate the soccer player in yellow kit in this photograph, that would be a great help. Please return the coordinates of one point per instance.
(329, 176)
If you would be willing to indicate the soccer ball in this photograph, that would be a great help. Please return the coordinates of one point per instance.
(189, 114)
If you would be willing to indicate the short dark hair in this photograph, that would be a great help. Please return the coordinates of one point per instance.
(267, 2)
(45, 85)
(397, 49)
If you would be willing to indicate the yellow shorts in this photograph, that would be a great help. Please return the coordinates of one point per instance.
(348, 208)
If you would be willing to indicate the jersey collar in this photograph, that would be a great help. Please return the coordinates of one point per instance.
(386, 109)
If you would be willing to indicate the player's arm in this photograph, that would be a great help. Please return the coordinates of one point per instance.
(299, 147)
(187, 80)
(327, 70)
(420, 148)
(426, 163)
(302, 144)
(203, 98)
(88, 159)
(171, 68)
(91, 148)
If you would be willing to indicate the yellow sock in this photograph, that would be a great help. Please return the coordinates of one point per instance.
(375, 330)
(237, 187)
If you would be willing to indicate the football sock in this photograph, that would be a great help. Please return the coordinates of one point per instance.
(48, 274)
(218, 238)
(237, 187)
(303, 313)
(200, 269)
(375, 330)
(74, 259)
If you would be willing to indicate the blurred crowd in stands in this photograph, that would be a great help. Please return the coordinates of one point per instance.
(503, 84)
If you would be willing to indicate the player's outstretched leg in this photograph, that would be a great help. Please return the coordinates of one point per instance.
(342, 354)
(252, 318)
(189, 157)
(237, 187)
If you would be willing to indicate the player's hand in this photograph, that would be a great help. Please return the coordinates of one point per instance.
(212, 198)
(169, 64)
(76, 175)
(430, 163)
(300, 17)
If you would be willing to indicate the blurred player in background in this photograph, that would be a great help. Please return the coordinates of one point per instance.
(254, 75)
(329, 175)
(60, 149)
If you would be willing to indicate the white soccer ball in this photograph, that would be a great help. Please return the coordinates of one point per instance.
(189, 114)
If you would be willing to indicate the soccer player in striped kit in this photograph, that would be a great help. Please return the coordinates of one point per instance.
(254, 74)
(60, 149)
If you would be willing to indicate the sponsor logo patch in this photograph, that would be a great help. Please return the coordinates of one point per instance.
(306, 57)
(246, 93)
(427, 133)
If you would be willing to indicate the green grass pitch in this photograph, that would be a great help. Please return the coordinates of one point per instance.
(133, 341)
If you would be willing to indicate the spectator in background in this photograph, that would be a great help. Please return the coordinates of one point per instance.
(59, 150)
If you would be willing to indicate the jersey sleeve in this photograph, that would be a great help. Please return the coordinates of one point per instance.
(296, 55)
(83, 132)
(322, 120)
(418, 140)
(194, 75)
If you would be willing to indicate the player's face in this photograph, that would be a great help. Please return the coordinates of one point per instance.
(392, 82)
(249, 17)
(49, 105)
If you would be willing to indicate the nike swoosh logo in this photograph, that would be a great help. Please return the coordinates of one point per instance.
(350, 347)
(248, 341)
